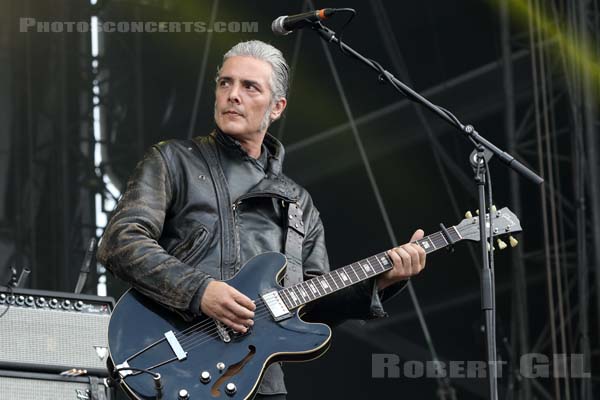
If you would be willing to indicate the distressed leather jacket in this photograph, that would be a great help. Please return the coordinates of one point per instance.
(174, 230)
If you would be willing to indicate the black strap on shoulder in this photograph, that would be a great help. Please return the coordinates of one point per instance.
(293, 245)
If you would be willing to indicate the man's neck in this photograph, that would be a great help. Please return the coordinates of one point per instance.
(252, 146)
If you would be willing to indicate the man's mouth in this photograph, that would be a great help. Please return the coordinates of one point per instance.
(233, 112)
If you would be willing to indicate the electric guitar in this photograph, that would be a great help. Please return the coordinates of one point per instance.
(155, 354)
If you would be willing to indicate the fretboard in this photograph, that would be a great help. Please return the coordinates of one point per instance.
(359, 271)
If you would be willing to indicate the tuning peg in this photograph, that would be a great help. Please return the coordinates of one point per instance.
(468, 214)
(477, 211)
(501, 245)
(493, 209)
(513, 242)
(488, 247)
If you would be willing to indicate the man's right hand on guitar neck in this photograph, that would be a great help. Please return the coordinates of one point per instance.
(226, 304)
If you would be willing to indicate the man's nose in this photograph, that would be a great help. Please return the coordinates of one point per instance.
(234, 93)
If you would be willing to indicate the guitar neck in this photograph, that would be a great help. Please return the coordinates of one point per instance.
(340, 278)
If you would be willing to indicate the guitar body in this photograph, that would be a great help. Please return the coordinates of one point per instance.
(138, 325)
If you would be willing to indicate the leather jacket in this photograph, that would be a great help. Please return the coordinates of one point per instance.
(174, 230)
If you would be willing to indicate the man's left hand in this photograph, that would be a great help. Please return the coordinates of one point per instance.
(408, 260)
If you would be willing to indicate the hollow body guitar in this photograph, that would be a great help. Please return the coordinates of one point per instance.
(204, 359)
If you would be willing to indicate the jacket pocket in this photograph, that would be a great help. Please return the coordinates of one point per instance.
(193, 245)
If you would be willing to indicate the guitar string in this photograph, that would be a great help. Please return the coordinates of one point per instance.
(194, 332)
(338, 282)
(191, 338)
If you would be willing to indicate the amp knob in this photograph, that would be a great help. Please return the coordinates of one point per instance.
(79, 305)
(41, 302)
(2, 298)
(10, 299)
(230, 388)
(29, 301)
(205, 377)
(20, 300)
(53, 303)
(66, 304)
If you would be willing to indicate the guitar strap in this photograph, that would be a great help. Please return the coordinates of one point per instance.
(293, 245)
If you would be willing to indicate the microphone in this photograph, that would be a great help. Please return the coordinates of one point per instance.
(287, 23)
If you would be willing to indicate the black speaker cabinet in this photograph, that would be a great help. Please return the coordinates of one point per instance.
(18, 385)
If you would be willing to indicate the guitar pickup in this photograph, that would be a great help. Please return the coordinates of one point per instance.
(276, 306)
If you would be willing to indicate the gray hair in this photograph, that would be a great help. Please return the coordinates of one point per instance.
(265, 52)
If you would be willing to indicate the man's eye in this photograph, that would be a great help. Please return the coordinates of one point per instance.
(223, 83)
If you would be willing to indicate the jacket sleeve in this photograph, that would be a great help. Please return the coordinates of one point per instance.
(359, 301)
(129, 247)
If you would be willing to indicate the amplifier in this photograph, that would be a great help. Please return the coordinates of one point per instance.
(36, 386)
(53, 331)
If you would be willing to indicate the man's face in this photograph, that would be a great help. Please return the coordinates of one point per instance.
(243, 99)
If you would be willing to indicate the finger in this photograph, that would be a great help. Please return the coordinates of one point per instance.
(414, 255)
(422, 256)
(234, 325)
(238, 310)
(406, 258)
(419, 233)
(396, 260)
(243, 300)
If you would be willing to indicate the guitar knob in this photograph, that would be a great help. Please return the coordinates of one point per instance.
(183, 395)
(205, 377)
(220, 366)
(230, 388)
(501, 244)
(468, 214)
(513, 242)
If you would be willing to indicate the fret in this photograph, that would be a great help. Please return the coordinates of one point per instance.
(345, 279)
(357, 270)
(439, 240)
(306, 290)
(314, 288)
(378, 268)
(384, 260)
(372, 270)
(330, 280)
(295, 299)
(324, 284)
(454, 233)
(366, 267)
(350, 274)
(427, 244)
(298, 292)
(286, 298)
(340, 278)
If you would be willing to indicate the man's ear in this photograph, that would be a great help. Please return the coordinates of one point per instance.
(278, 108)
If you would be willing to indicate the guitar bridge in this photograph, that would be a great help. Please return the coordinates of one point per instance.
(222, 330)
(276, 306)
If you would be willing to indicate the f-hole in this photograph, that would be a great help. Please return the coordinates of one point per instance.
(232, 371)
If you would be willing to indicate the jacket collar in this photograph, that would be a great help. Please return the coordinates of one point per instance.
(274, 147)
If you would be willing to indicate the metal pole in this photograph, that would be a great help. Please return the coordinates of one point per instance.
(521, 341)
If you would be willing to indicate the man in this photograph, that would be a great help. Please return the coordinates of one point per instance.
(194, 211)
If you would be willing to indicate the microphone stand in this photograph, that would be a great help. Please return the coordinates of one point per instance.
(484, 150)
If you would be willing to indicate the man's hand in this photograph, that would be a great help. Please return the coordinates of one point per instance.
(228, 305)
(408, 259)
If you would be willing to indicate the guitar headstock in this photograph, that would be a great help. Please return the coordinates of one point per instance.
(504, 222)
